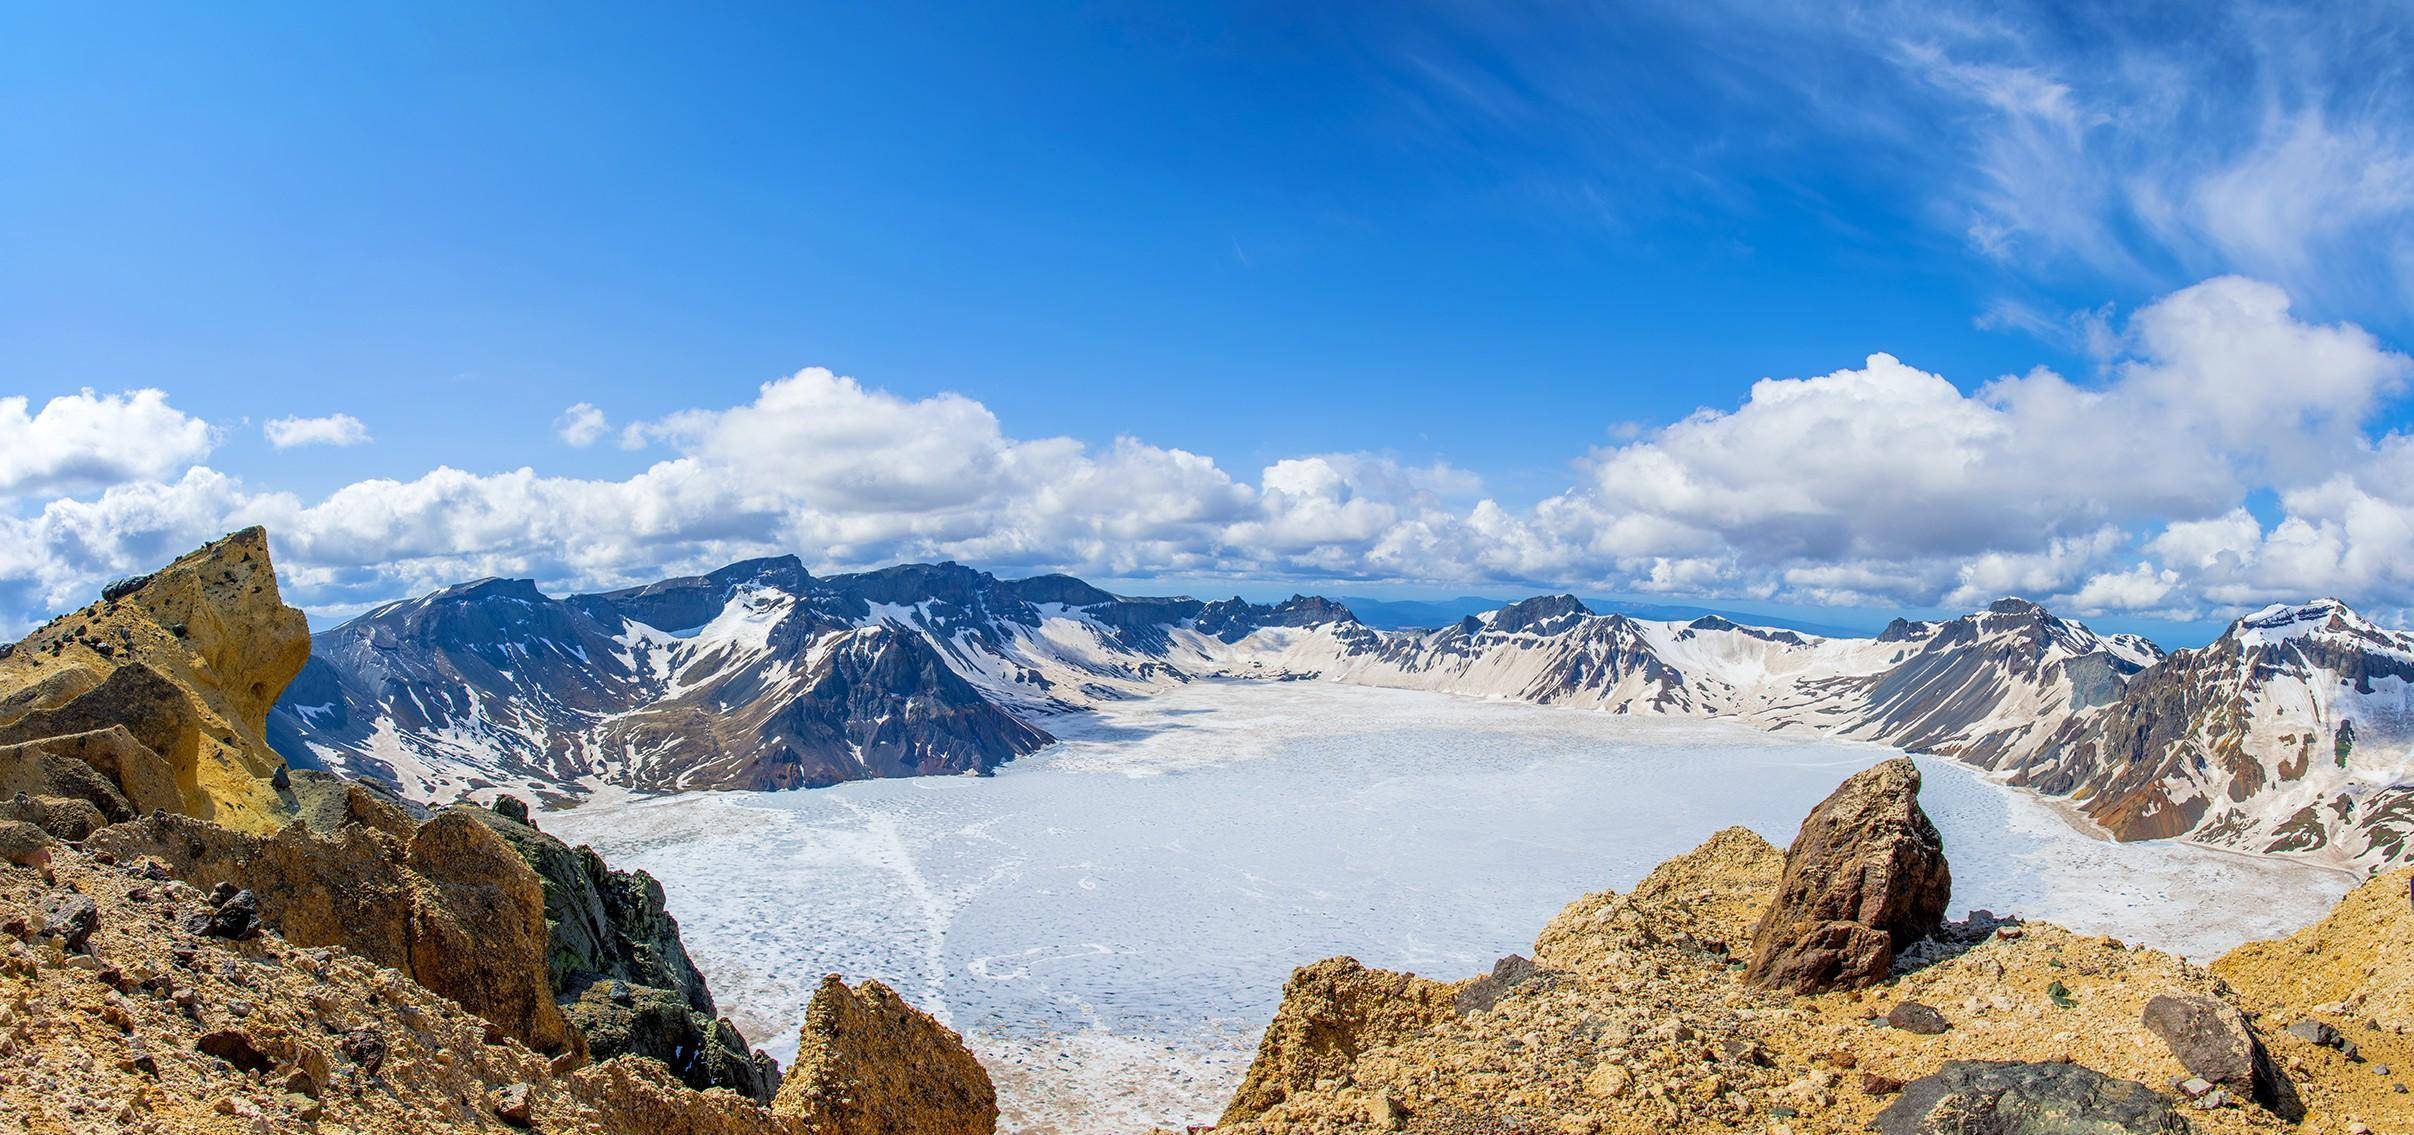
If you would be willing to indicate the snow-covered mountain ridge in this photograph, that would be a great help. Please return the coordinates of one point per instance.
(762, 675)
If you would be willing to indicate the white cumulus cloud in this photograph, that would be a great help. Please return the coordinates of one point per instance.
(581, 425)
(83, 441)
(333, 429)
(1880, 484)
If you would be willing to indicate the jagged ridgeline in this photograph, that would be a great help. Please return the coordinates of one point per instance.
(2289, 734)
(198, 938)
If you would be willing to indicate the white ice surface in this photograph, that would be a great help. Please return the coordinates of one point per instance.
(1110, 921)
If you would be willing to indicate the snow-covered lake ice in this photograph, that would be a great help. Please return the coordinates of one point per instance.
(1110, 922)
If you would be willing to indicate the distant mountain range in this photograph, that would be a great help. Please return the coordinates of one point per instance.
(2289, 734)
(1424, 614)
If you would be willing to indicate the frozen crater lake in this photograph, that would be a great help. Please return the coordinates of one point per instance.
(1110, 922)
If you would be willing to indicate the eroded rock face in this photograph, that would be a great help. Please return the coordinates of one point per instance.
(1986, 1097)
(1331, 1012)
(447, 902)
(1865, 877)
(867, 1063)
(59, 817)
(178, 669)
(324, 1040)
(107, 768)
(619, 970)
(478, 929)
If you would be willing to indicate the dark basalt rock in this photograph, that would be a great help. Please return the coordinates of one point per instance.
(119, 589)
(72, 919)
(236, 1047)
(1232, 619)
(1508, 973)
(2214, 1042)
(1984, 1097)
(365, 1047)
(237, 918)
(1865, 878)
(1913, 1017)
(619, 970)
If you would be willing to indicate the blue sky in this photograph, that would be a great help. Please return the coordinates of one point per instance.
(1473, 252)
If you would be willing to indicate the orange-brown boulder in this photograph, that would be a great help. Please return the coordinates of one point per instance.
(1865, 877)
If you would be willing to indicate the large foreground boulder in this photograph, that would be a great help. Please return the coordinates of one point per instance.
(1865, 877)
(1987, 1097)
(867, 1063)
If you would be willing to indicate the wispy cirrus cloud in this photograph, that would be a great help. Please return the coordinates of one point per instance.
(2111, 149)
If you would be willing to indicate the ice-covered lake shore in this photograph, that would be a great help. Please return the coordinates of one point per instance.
(1110, 921)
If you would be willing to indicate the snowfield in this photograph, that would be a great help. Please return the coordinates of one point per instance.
(1110, 921)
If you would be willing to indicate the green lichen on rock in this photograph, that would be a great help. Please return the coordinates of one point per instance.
(618, 968)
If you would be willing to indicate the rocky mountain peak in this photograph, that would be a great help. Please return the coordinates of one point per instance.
(1906, 630)
(1233, 619)
(523, 590)
(907, 584)
(2280, 622)
(765, 567)
(1542, 614)
(1062, 589)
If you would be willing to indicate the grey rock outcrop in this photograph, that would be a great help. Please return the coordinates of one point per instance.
(1985, 1097)
(619, 970)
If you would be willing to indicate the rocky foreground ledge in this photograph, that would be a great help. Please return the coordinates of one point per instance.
(194, 938)
(1733, 990)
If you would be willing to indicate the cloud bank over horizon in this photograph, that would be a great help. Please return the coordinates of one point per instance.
(2223, 456)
